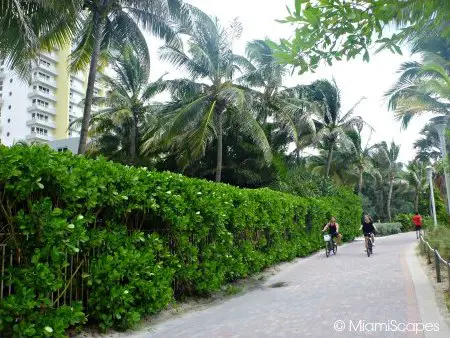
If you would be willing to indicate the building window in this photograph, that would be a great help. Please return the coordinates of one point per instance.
(71, 94)
(10, 93)
(39, 116)
(44, 90)
(43, 76)
(42, 103)
(9, 120)
(40, 131)
(9, 107)
(44, 63)
(7, 134)
(60, 150)
(10, 80)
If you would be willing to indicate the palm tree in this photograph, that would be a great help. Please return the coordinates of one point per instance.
(331, 123)
(127, 105)
(360, 157)
(97, 27)
(428, 145)
(423, 86)
(387, 156)
(416, 178)
(200, 110)
(289, 108)
(108, 24)
(29, 27)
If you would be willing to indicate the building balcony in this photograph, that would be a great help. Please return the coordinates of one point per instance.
(39, 80)
(41, 95)
(35, 137)
(78, 90)
(52, 56)
(41, 123)
(38, 108)
(50, 69)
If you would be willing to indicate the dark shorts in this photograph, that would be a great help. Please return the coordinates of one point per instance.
(368, 234)
(418, 227)
(334, 234)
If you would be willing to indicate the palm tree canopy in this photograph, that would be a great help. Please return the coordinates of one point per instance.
(28, 27)
(209, 94)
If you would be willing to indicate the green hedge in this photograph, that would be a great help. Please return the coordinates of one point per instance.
(147, 236)
(385, 229)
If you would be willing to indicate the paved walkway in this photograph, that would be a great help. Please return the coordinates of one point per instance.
(361, 296)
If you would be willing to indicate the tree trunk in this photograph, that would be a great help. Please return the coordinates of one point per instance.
(297, 155)
(391, 185)
(360, 184)
(219, 148)
(330, 155)
(416, 201)
(133, 137)
(99, 24)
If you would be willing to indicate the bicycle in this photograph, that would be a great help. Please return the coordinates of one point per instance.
(330, 245)
(369, 245)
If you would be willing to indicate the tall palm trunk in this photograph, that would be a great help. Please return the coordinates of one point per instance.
(133, 137)
(360, 183)
(297, 155)
(416, 201)
(330, 156)
(99, 24)
(219, 147)
(391, 185)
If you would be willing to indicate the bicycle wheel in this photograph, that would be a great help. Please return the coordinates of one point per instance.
(369, 247)
(334, 248)
(327, 251)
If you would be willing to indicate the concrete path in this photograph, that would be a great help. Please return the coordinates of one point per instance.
(347, 295)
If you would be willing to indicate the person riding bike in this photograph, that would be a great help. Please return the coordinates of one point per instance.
(333, 228)
(368, 229)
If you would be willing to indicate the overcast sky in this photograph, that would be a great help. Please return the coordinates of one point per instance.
(355, 78)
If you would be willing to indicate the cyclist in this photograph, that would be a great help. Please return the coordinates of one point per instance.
(333, 228)
(417, 220)
(368, 229)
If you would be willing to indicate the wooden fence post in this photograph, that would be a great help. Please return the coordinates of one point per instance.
(448, 270)
(437, 262)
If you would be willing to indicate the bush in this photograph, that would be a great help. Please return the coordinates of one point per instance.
(134, 238)
(385, 229)
(439, 238)
(406, 222)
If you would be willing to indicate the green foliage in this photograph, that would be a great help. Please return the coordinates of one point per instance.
(385, 229)
(301, 182)
(406, 222)
(321, 35)
(439, 238)
(131, 277)
(146, 235)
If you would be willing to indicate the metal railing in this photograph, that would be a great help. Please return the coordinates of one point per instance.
(437, 258)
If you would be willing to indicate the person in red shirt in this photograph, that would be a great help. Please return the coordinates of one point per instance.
(417, 220)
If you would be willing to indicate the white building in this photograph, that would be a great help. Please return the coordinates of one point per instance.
(42, 109)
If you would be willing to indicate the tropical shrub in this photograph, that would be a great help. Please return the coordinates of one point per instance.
(385, 229)
(134, 239)
(439, 238)
(406, 222)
